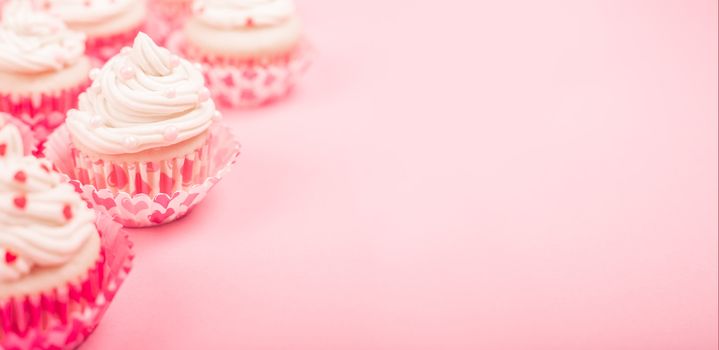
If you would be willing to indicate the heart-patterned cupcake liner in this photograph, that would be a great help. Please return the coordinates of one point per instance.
(64, 317)
(247, 83)
(167, 17)
(137, 209)
(42, 112)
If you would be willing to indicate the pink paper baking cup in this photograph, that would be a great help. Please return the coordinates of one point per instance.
(134, 208)
(247, 83)
(42, 112)
(141, 177)
(101, 49)
(166, 17)
(29, 141)
(64, 317)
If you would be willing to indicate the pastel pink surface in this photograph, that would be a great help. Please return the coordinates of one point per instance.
(464, 175)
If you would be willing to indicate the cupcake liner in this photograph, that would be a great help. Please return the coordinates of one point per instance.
(137, 209)
(246, 83)
(64, 317)
(165, 176)
(167, 17)
(42, 112)
(101, 49)
(29, 141)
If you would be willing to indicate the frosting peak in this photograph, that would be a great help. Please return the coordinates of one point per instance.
(43, 222)
(138, 98)
(35, 42)
(230, 14)
(150, 58)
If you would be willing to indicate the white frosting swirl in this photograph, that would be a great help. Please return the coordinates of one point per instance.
(143, 98)
(230, 14)
(87, 11)
(34, 42)
(43, 221)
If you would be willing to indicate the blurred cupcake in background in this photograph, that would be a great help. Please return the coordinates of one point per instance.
(148, 108)
(167, 17)
(55, 277)
(27, 136)
(108, 24)
(43, 67)
(252, 51)
(146, 127)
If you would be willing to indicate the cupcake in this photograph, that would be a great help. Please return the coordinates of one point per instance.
(167, 16)
(52, 256)
(252, 50)
(42, 67)
(145, 144)
(108, 24)
(143, 124)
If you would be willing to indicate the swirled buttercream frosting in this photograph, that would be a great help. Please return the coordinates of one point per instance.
(35, 42)
(243, 13)
(87, 11)
(143, 98)
(43, 221)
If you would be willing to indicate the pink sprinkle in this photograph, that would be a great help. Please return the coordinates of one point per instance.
(20, 176)
(174, 61)
(127, 73)
(67, 212)
(94, 73)
(171, 93)
(170, 133)
(60, 57)
(203, 95)
(9, 257)
(130, 142)
(198, 7)
(95, 121)
(20, 201)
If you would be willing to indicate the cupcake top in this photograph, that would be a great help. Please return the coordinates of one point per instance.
(143, 98)
(87, 11)
(35, 42)
(43, 221)
(235, 14)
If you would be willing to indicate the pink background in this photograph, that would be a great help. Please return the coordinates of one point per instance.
(458, 175)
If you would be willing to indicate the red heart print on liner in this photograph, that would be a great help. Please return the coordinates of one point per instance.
(164, 200)
(158, 217)
(228, 80)
(165, 183)
(141, 186)
(117, 177)
(191, 198)
(133, 208)
(108, 203)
